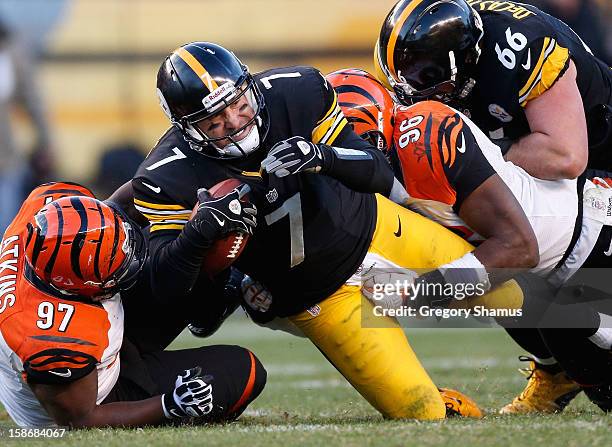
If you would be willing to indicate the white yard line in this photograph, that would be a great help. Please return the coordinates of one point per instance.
(444, 364)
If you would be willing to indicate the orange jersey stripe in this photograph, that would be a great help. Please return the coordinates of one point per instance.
(248, 389)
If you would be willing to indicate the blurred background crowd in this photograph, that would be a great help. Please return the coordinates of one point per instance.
(77, 77)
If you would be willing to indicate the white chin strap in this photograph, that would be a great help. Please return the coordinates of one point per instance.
(247, 145)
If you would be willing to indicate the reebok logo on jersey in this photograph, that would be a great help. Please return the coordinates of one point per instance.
(155, 189)
(66, 374)
(398, 233)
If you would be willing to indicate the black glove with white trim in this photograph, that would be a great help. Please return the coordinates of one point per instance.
(295, 155)
(217, 217)
(192, 396)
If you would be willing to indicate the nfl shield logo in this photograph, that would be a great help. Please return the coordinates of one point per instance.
(314, 310)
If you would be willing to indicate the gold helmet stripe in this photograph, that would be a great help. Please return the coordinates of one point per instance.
(198, 68)
(395, 32)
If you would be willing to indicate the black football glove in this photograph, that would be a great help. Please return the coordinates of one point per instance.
(217, 217)
(192, 396)
(293, 156)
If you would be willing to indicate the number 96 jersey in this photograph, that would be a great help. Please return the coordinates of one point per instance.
(44, 336)
(524, 52)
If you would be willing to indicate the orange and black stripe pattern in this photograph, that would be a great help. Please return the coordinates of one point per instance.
(366, 104)
(441, 139)
(75, 244)
(56, 365)
(255, 383)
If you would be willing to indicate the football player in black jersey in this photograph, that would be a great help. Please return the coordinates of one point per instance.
(524, 77)
(317, 223)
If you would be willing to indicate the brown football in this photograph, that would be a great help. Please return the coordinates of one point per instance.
(224, 251)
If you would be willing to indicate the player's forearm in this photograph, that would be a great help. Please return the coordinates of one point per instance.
(176, 263)
(122, 414)
(502, 258)
(363, 170)
(547, 158)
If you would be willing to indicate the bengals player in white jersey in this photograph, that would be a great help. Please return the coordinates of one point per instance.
(456, 176)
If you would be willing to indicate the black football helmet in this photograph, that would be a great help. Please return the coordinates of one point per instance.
(201, 79)
(429, 49)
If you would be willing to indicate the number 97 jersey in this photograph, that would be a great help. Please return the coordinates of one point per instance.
(524, 53)
(47, 337)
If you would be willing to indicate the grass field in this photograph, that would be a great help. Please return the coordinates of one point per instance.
(306, 402)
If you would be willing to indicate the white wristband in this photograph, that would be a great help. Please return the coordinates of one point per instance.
(466, 270)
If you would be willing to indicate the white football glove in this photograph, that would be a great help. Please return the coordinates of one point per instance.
(389, 288)
(255, 294)
(192, 396)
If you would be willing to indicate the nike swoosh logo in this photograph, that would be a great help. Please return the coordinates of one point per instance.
(462, 147)
(68, 373)
(609, 252)
(152, 188)
(398, 233)
(219, 221)
(527, 65)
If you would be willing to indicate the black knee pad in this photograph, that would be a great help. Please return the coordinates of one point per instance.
(238, 378)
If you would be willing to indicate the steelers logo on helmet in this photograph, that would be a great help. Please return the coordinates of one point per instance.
(429, 49)
(213, 100)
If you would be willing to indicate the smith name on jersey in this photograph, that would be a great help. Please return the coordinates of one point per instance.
(313, 231)
(524, 52)
(46, 337)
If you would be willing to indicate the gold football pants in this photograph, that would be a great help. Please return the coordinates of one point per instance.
(378, 361)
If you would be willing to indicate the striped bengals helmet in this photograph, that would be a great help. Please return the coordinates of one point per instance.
(366, 104)
(81, 246)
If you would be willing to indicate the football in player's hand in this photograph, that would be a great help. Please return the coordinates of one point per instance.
(226, 250)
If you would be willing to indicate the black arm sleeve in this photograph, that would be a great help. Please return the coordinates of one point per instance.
(471, 168)
(176, 261)
(357, 164)
(175, 254)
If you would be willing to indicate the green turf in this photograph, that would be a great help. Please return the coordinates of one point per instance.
(306, 402)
